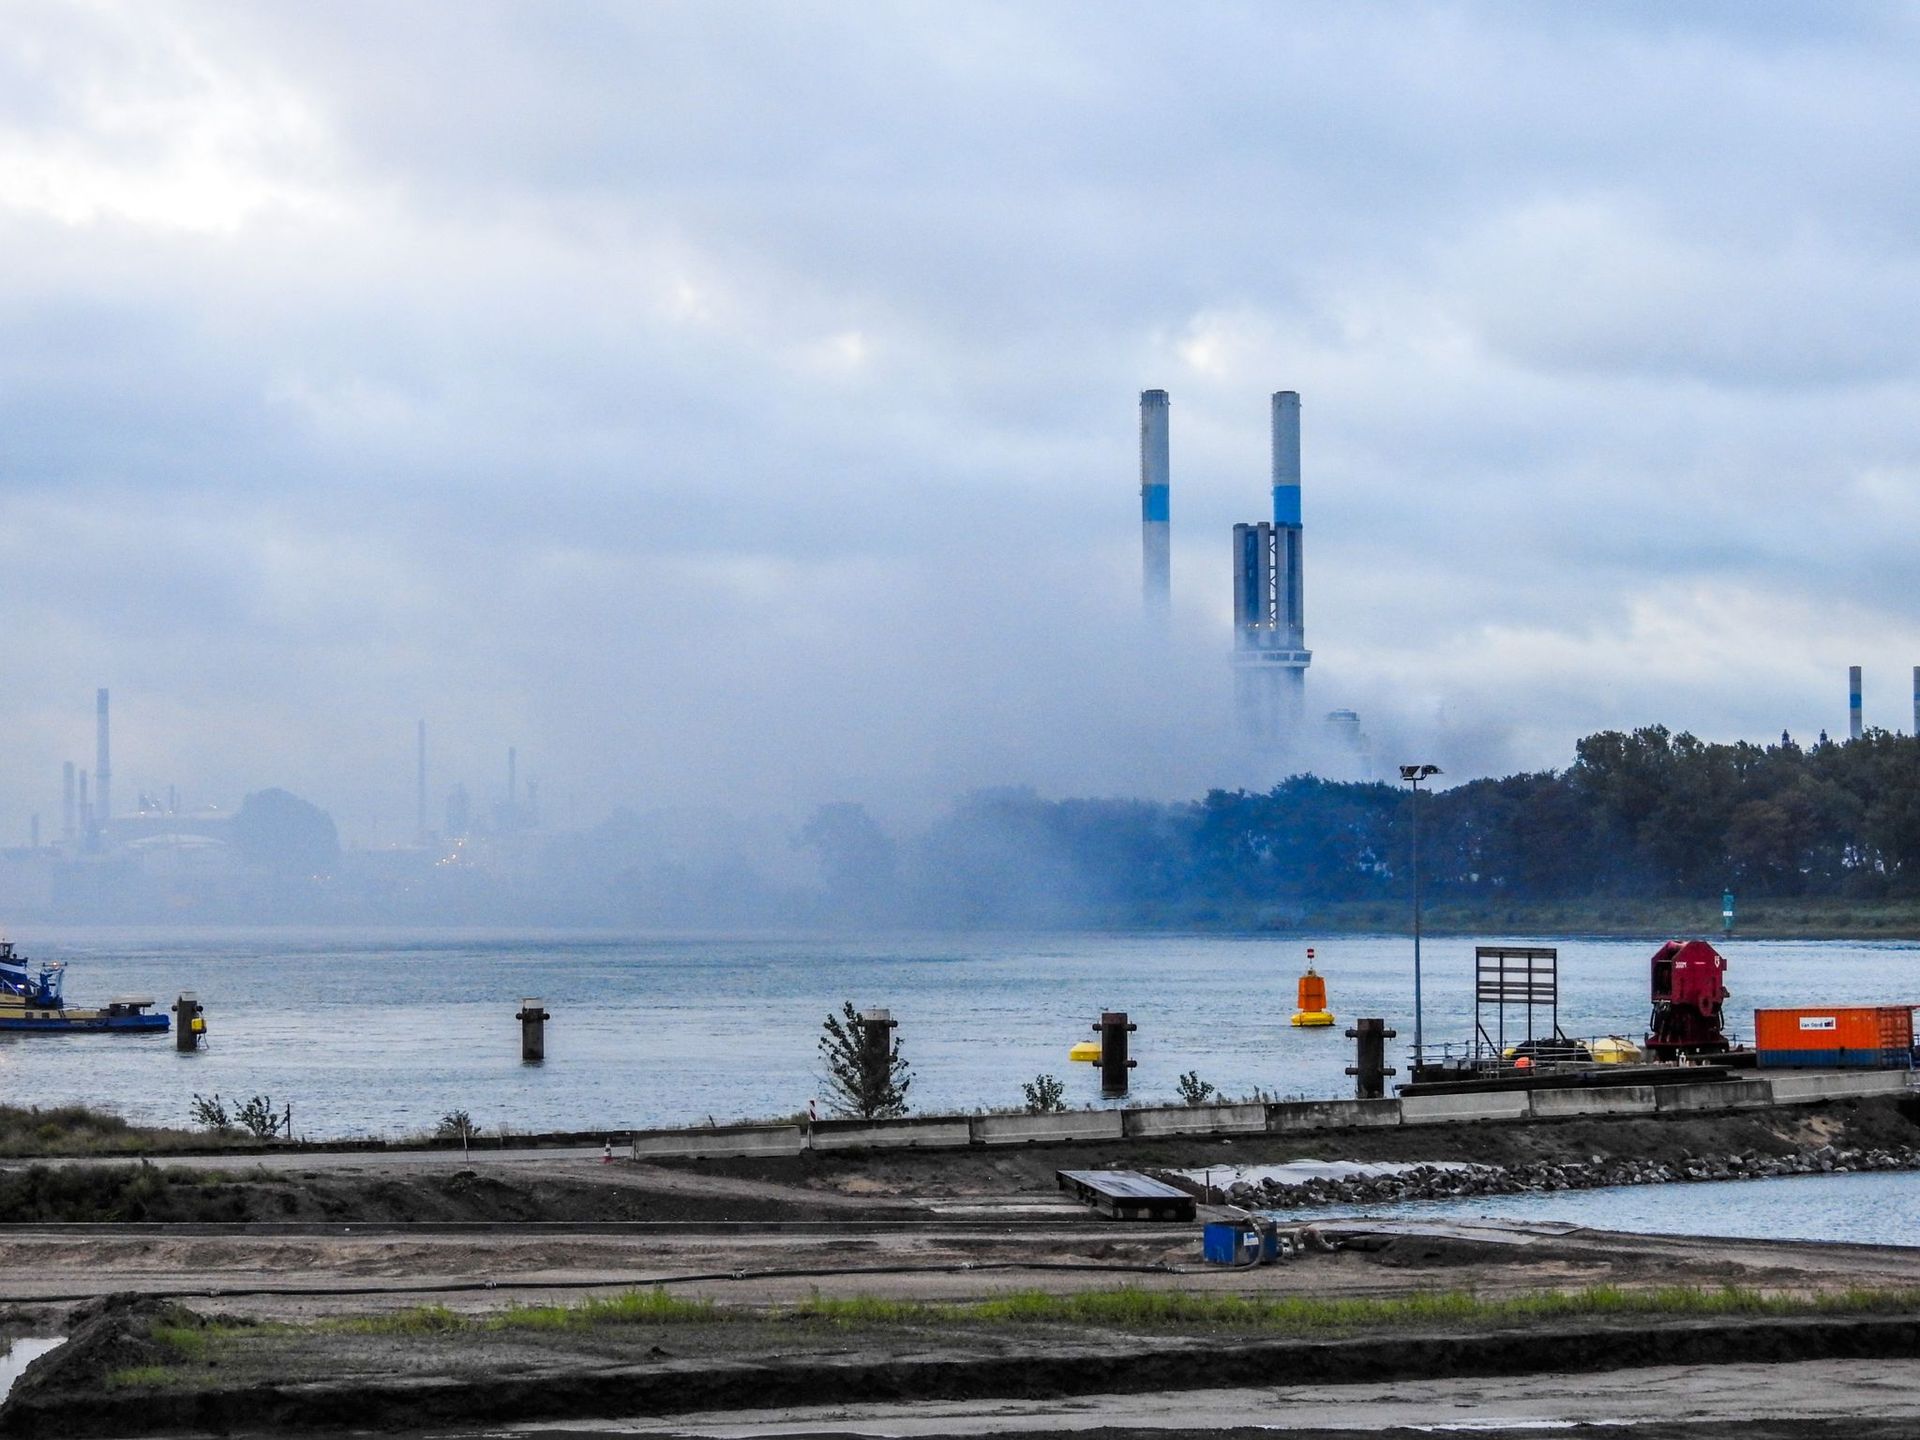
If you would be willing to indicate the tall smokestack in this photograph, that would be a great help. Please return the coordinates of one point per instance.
(102, 764)
(1289, 580)
(1853, 702)
(420, 783)
(1269, 597)
(1155, 506)
(86, 810)
(69, 812)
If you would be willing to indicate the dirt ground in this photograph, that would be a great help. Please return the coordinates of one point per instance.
(399, 1187)
(267, 1253)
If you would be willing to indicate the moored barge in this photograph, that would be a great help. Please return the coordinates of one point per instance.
(31, 999)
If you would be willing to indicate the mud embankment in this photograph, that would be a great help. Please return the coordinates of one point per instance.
(67, 1393)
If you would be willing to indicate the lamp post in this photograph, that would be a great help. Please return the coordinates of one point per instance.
(1413, 775)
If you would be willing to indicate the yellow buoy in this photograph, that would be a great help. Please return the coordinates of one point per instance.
(1312, 1000)
(1087, 1050)
(1616, 1050)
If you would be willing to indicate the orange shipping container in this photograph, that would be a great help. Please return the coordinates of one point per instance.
(1871, 1036)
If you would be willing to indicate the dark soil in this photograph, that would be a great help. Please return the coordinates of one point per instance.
(68, 1392)
(157, 1194)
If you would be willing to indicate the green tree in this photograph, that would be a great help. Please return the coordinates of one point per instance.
(870, 1082)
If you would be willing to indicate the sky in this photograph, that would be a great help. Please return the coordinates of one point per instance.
(733, 405)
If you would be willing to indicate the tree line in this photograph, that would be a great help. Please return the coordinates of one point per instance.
(1645, 813)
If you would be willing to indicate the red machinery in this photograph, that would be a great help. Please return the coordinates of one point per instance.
(1689, 987)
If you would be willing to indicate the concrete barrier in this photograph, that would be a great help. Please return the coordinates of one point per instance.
(1287, 1116)
(1829, 1085)
(721, 1140)
(1723, 1095)
(1194, 1120)
(950, 1132)
(1476, 1105)
(1594, 1100)
(1047, 1129)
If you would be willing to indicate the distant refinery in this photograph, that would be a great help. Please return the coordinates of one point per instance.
(88, 823)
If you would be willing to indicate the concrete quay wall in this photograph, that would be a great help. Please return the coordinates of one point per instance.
(957, 1132)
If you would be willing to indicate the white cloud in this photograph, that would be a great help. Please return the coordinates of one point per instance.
(737, 401)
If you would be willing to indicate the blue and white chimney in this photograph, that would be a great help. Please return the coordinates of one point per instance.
(1270, 654)
(1853, 702)
(1155, 506)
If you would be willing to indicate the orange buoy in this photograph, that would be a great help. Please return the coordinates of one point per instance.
(1311, 1000)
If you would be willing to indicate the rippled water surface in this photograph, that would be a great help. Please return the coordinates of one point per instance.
(1880, 1208)
(384, 1032)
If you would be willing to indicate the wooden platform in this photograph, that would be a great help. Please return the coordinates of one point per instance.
(1126, 1194)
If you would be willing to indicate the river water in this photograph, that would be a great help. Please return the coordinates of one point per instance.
(1874, 1208)
(382, 1032)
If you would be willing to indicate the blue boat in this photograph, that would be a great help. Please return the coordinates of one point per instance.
(31, 999)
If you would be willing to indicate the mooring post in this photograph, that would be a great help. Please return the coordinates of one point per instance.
(876, 1040)
(533, 1031)
(1114, 1064)
(1370, 1055)
(188, 1025)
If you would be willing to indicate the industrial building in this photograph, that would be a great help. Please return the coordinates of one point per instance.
(1270, 655)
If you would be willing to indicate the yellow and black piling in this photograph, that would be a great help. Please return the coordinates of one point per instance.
(1370, 1069)
(190, 1024)
(1114, 1064)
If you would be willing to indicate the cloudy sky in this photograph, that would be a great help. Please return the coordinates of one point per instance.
(735, 402)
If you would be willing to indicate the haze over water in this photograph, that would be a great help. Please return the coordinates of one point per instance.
(382, 1032)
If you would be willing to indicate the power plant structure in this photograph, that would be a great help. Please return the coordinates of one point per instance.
(1156, 561)
(420, 785)
(1854, 730)
(102, 767)
(1270, 655)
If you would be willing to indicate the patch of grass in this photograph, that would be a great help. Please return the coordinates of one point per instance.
(189, 1342)
(141, 1377)
(78, 1130)
(632, 1307)
(1132, 1308)
(1129, 1308)
(420, 1320)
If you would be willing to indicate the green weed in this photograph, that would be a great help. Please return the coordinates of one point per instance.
(420, 1320)
(141, 1377)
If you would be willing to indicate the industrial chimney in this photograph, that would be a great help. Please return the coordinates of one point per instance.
(1853, 702)
(102, 764)
(1270, 654)
(420, 784)
(1155, 513)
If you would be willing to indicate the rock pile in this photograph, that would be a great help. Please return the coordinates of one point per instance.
(1438, 1182)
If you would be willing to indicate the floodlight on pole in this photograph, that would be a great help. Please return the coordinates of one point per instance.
(1413, 775)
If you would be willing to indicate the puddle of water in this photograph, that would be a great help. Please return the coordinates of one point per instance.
(22, 1353)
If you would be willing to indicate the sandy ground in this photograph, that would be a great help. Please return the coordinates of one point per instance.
(539, 1226)
(1633, 1401)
